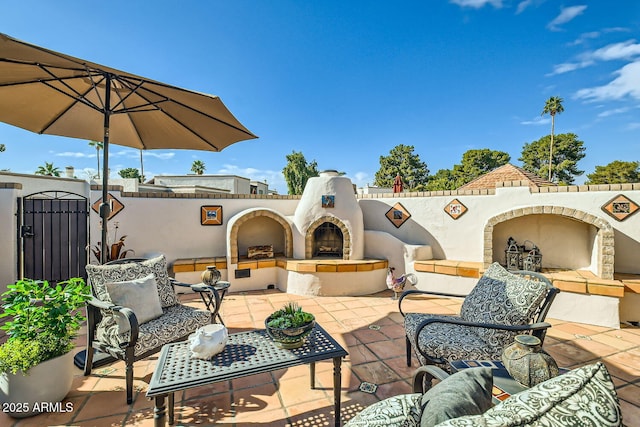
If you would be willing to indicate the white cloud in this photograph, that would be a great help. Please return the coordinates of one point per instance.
(633, 126)
(569, 66)
(157, 155)
(275, 179)
(613, 112)
(566, 14)
(360, 179)
(616, 51)
(75, 155)
(584, 37)
(536, 121)
(523, 5)
(477, 4)
(624, 50)
(626, 84)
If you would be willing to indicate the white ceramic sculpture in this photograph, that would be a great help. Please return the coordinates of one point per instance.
(208, 341)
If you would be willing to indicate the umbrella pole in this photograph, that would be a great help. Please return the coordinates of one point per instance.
(104, 206)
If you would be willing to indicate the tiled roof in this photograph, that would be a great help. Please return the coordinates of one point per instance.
(506, 173)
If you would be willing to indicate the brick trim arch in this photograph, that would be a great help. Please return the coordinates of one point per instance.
(346, 236)
(233, 234)
(604, 240)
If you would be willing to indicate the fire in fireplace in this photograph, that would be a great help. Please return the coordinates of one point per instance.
(327, 241)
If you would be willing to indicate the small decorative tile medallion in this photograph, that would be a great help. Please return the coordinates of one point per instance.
(211, 215)
(114, 204)
(455, 209)
(620, 207)
(368, 387)
(328, 201)
(398, 214)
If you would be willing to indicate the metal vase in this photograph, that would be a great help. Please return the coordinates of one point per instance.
(210, 276)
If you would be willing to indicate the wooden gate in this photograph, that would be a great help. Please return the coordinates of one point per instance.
(53, 236)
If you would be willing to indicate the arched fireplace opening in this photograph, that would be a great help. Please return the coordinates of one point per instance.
(327, 241)
(568, 239)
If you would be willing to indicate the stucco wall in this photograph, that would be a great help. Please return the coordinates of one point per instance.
(170, 224)
(463, 239)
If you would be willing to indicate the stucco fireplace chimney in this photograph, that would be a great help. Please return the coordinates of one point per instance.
(328, 206)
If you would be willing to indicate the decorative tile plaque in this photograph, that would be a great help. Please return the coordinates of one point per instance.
(211, 215)
(114, 204)
(398, 214)
(455, 209)
(620, 207)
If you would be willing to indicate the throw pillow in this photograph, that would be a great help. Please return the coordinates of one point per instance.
(467, 392)
(140, 295)
(100, 274)
(502, 298)
(585, 396)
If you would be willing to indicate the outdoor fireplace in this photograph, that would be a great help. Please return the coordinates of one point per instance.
(327, 241)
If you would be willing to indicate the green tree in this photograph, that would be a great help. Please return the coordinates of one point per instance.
(198, 167)
(98, 145)
(48, 169)
(130, 173)
(297, 172)
(2, 148)
(401, 160)
(474, 163)
(478, 162)
(616, 172)
(552, 106)
(569, 151)
(444, 179)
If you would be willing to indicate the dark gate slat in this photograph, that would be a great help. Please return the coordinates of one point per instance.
(57, 250)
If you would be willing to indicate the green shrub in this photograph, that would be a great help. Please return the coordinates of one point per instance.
(43, 321)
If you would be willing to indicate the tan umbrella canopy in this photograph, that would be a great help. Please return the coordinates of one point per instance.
(48, 92)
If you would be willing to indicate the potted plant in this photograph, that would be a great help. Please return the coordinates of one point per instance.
(289, 326)
(36, 362)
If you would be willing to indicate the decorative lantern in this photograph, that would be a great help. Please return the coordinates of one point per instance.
(513, 255)
(533, 260)
(527, 362)
(210, 276)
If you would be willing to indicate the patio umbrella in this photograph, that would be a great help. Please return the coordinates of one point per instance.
(52, 93)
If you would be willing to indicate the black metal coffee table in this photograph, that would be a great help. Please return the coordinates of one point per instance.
(246, 353)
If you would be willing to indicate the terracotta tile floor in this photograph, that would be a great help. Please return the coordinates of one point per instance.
(283, 398)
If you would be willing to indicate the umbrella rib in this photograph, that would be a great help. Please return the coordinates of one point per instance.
(187, 107)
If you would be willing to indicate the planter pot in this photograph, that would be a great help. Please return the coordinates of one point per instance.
(45, 385)
(289, 338)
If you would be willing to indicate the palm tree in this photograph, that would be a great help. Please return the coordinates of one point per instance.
(48, 169)
(99, 146)
(552, 106)
(198, 167)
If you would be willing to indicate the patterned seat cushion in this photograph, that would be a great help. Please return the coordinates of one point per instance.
(176, 322)
(585, 396)
(502, 298)
(396, 411)
(100, 274)
(448, 341)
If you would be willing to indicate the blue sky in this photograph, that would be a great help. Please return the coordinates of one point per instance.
(346, 81)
